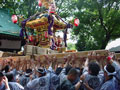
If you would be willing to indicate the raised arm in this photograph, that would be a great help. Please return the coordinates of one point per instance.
(5, 80)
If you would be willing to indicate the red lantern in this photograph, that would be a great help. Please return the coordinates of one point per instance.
(14, 18)
(76, 22)
(40, 3)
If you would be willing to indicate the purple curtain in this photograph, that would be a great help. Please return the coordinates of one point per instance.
(51, 22)
(23, 30)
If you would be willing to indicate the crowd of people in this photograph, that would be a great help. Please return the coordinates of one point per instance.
(64, 77)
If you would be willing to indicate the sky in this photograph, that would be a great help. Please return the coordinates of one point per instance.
(68, 37)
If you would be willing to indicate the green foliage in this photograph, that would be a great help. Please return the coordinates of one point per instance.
(99, 23)
(71, 46)
(99, 19)
(30, 7)
(21, 7)
(66, 8)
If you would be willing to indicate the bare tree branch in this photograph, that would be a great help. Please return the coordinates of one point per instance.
(101, 18)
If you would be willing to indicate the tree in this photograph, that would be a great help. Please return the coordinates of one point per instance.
(66, 8)
(99, 23)
(21, 7)
(71, 46)
(30, 7)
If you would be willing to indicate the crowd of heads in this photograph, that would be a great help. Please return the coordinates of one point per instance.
(91, 76)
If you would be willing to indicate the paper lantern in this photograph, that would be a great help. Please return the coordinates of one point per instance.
(14, 18)
(76, 22)
(40, 3)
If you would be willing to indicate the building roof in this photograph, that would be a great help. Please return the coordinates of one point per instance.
(6, 25)
(115, 49)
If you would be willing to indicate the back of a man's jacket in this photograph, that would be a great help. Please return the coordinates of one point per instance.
(48, 82)
(94, 82)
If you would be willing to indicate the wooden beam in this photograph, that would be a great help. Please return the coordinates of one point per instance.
(76, 58)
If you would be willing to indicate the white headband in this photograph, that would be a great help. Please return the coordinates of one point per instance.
(109, 74)
(27, 74)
